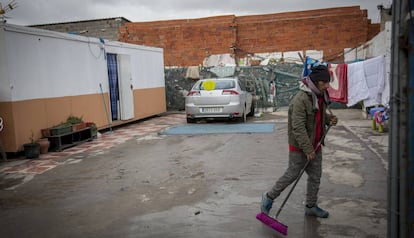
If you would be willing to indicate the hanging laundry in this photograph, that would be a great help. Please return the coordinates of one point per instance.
(309, 63)
(355, 82)
(338, 90)
(357, 85)
(374, 70)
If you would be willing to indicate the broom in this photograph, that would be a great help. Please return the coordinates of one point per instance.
(273, 222)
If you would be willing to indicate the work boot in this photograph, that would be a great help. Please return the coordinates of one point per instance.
(266, 204)
(316, 211)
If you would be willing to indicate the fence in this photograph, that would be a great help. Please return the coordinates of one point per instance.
(273, 85)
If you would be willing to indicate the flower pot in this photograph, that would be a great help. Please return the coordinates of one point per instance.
(94, 128)
(31, 150)
(78, 126)
(45, 132)
(44, 145)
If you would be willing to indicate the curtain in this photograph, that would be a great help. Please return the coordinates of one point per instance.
(113, 84)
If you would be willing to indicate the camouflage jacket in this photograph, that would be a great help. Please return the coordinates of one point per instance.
(302, 120)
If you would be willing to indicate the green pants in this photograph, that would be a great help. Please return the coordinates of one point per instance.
(297, 161)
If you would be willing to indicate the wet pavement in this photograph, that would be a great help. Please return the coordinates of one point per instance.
(136, 182)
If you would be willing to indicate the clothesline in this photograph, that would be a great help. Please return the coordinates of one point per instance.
(351, 83)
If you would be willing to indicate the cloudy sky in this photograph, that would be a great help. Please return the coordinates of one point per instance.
(31, 12)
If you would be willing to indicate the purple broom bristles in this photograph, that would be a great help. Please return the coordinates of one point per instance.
(273, 223)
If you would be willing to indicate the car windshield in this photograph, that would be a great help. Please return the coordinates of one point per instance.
(219, 84)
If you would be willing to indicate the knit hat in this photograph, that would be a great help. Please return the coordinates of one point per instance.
(320, 73)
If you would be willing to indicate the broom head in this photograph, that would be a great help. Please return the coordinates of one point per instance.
(272, 223)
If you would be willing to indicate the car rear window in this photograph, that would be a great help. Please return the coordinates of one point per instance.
(220, 84)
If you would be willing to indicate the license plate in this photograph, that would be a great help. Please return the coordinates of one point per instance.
(211, 109)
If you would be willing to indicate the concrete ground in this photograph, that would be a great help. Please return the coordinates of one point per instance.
(134, 182)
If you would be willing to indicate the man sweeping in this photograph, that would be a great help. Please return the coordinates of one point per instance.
(307, 121)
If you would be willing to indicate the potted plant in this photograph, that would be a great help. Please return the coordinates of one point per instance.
(60, 129)
(94, 129)
(32, 149)
(76, 122)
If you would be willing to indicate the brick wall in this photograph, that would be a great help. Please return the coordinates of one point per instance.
(188, 42)
(185, 42)
(101, 28)
(329, 30)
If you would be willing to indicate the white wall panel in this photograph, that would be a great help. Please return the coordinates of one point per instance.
(350, 55)
(46, 64)
(376, 46)
(147, 64)
(149, 70)
(292, 56)
(42, 66)
(315, 54)
(5, 91)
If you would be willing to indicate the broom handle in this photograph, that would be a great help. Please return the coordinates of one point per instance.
(301, 173)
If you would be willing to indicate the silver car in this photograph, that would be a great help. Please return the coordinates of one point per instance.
(218, 98)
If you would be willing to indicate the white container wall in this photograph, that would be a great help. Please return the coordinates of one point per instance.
(46, 76)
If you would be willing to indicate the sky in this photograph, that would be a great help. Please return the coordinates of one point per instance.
(34, 12)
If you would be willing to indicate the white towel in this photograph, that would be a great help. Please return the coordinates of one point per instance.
(357, 85)
(374, 70)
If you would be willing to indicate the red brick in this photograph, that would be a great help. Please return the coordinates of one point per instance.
(187, 41)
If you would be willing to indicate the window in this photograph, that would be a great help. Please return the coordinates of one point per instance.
(220, 84)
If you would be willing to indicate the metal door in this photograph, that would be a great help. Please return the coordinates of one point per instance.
(125, 87)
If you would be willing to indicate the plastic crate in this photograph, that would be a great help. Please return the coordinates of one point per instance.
(59, 130)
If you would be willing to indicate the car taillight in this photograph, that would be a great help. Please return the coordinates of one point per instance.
(229, 92)
(194, 93)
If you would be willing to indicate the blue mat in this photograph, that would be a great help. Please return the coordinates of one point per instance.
(219, 129)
